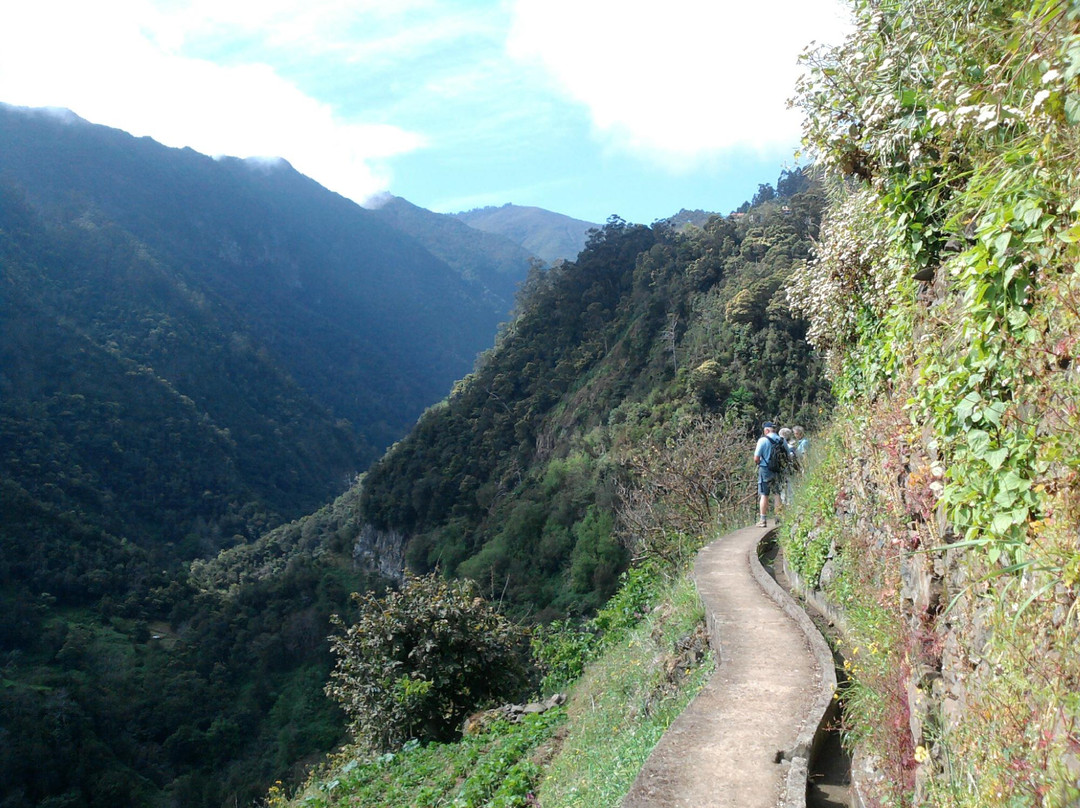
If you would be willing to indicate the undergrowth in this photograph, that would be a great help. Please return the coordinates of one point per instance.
(945, 290)
(493, 769)
(1023, 719)
(627, 673)
(621, 706)
(811, 527)
(965, 698)
(824, 527)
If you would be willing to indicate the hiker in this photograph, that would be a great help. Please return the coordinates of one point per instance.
(788, 436)
(769, 454)
(786, 482)
(802, 446)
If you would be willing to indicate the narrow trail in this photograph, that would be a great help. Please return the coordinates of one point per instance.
(744, 740)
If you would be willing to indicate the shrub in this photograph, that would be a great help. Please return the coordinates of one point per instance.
(560, 651)
(680, 485)
(812, 525)
(418, 660)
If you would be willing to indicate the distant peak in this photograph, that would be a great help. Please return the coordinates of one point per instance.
(61, 114)
(379, 200)
(265, 164)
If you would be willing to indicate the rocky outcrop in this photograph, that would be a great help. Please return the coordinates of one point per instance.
(478, 723)
(887, 520)
(382, 551)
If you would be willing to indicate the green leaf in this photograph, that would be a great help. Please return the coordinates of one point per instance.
(1014, 482)
(967, 405)
(1001, 243)
(1018, 318)
(1070, 236)
(1072, 108)
(996, 458)
(1002, 522)
(1019, 515)
(994, 411)
(978, 442)
(1005, 498)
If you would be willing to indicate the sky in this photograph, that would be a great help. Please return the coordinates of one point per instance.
(590, 108)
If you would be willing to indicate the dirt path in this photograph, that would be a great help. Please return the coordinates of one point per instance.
(748, 732)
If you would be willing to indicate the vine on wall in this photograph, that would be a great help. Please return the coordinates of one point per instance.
(946, 284)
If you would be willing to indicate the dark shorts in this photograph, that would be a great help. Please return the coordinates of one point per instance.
(764, 479)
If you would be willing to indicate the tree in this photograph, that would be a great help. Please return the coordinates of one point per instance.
(792, 182)
(765, 193)
(420, 659)
(679, 485)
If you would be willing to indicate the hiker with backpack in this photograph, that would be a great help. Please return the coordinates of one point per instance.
(772, 457)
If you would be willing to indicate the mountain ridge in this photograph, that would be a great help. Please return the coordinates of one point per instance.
(490, 259)
(304, 266)
(192, 352)
(548, 235)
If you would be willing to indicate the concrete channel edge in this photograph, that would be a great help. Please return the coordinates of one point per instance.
(823, 706)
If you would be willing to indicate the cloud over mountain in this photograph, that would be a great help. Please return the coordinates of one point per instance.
(681, 84)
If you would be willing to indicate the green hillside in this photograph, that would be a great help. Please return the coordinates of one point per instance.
(513, 480)
(198, 688)
(195, 350)
(192, 352)
(491, 261)
(364, 319)
(178, 380)
(613, 422)
(136, 404)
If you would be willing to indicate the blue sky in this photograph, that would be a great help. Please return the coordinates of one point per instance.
(586, 107)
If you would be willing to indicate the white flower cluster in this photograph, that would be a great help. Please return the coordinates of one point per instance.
(1004, 95)
(852, 274)
(883, 95)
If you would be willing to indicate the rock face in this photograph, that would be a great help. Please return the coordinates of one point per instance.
(888, 515)
(963, 653)
(382, 551)
(479, 722)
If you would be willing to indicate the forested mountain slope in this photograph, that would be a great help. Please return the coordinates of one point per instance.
(491, 261)
(615, 416)
(196, 348)
(191, 352)
(139, 405)
(196, 689)
(126, 686)
(512, 480)
(366, 320)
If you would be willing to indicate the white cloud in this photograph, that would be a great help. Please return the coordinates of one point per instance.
(120, 63)
(357, 30)
(682, 81)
